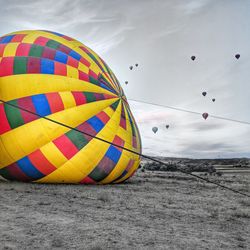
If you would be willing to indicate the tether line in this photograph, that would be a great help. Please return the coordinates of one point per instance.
(191, 112)
(124, 148)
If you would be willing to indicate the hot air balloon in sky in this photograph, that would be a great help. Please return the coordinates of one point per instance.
(136, 65)
(193, 58)
(154, 129)
(57, 77)
(126, 82)
(204, 93)
(213, 99)
(130, 67)
(237, 56)
(205, 115)
(167, 126)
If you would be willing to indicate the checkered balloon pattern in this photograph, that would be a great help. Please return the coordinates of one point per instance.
(55, 76)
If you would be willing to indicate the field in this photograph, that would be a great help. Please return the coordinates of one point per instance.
(153, 210)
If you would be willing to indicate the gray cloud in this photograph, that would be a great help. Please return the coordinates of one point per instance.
(201, 146)
(201, 126)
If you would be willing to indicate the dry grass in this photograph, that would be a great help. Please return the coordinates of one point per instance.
(153, 210)
(104, 197)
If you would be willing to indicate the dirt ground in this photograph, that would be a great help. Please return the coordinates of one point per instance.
(153, 210)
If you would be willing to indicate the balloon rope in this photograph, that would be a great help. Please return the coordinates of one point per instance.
(126, 149)
(191, 112)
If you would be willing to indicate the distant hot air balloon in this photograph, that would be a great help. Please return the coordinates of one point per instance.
(237, 56)
(131, 67)
(126, 82)
(204, 93)
(213, 99)
(193, 58)
(55, 76)
(167, 126)
(136, 65)
(154, 129)
(205, 115)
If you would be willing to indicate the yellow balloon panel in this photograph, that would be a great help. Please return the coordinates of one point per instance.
(47, 74)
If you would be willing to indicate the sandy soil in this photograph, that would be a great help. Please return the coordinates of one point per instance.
(154, 210)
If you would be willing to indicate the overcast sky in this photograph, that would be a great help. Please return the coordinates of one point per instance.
(161, 36)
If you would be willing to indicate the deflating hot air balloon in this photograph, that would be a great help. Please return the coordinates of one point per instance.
(154, 129)
(205, 115)
(57, 77)
(204, 93)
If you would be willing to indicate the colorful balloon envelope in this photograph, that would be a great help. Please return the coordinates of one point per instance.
(55, 76)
